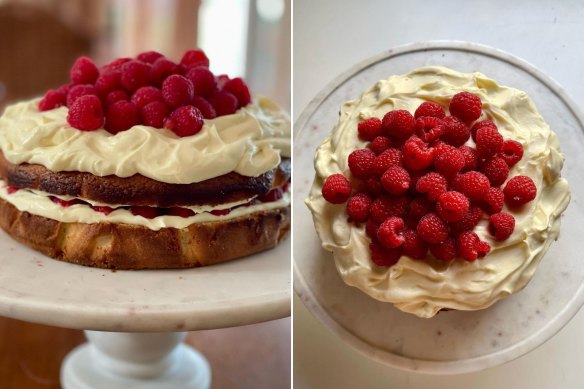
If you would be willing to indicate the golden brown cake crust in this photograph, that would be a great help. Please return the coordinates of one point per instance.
(125, 246)
(140, 190)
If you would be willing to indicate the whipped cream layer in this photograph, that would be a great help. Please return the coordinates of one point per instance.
(424, 287)
(249, 142)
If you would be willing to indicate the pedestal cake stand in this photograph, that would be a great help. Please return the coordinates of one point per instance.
(135, 321)
(452, 342)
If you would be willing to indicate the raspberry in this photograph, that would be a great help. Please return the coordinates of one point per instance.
(223, 102)
(429, 128)
(419, 207)
(52, 99)
(203, 81)
(473, 185)
(379, 144)
(432, 229)
(182, 212)
(430, 109)
(185, 121)
(468, 222)
(161, 69)
(239, 89)
(195, 58)
(145, 95)
(103, 209)
(501, 225)
(360, 162)
(374, 186)
(386, 206)
(414, 246)
(466, 106)
(135, 74)
(369, 129)
(149, 56)
(121, 116)
(65, 203)
(220, 212)
(383, 256)
(116, 64)
(221, 80)
(493, 201)
(371, 228)
(496, 170)
(77, 91)
(433, 184)
(519, 190)
(154, 113)
(108, 81)
(177, 90)
(480, 124)
(471, 159)
(390, 233)
(83, 71)
(204, 106)
(336, 189)
(415, 176)
(488, 141)
(444, 251)
(456, 133)
(273, 195)
(115, 96)
(396, 180)
(86, 113)
(399, 124)
(470, 247)
(358, 207)
(417, 155)
(452, 206)
(511, 152)
(64, 89)
(144, 211)
(390, 157)
(448, 161)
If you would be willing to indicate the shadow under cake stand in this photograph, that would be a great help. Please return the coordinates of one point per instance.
(452, 342)
(135, 321)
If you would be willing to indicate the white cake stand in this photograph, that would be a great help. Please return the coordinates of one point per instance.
(452, 342)
(135, 321)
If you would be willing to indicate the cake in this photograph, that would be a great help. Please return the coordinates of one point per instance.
(438, 190)
(146, 163)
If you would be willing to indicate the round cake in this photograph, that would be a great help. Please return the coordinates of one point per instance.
(146, 164)
(452, 187)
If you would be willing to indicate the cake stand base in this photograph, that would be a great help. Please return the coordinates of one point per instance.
(135, 360)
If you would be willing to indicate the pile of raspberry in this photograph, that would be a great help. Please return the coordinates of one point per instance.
(419, 187)
(151, 90)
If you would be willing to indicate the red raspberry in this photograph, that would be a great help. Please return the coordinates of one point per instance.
(471, 159)
(415, 176)
(154, 113)
(161, 69)
(470, 247)
(204, 106)
(414, 246)
(390, 157)
(336, 189)
(103, 209)
(396, 180)
(369, 129)
(496, 170)
(432, 229)
(116, 64)
(108, 81)
(149, 56)
(83, 71)
(177, 90)
(223, 102)
(468, 222)
(456, 133)
(430, 109)
(145, 95)
(473, 185)
(452, 206)
(144, 211)
(433, 184)
(417, 155)
(77, 91)
(195, 58)
(64, 89)
(135, 74)
(185, 121)
(501, 225)
(383, 256)
(511, 152)
(86, 113)
(115, 96)
(358, 207)
(493, 201)
(53, 99)
(65, 203)
(239, 89)
(360, 162)
(444, 251)
(203, 80)
(371, 228)
(220, 212)
(448, 161)
(273, 195)
(429, 128)
(121, 116)
(519, 190)
(379, 144)
(399, 124)
(488, 141)
(386, 206)
(419, 207)
(466, 106)
(374, 186)
(182, 212)
(480, 124)
(221, 80)
(390, 233)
